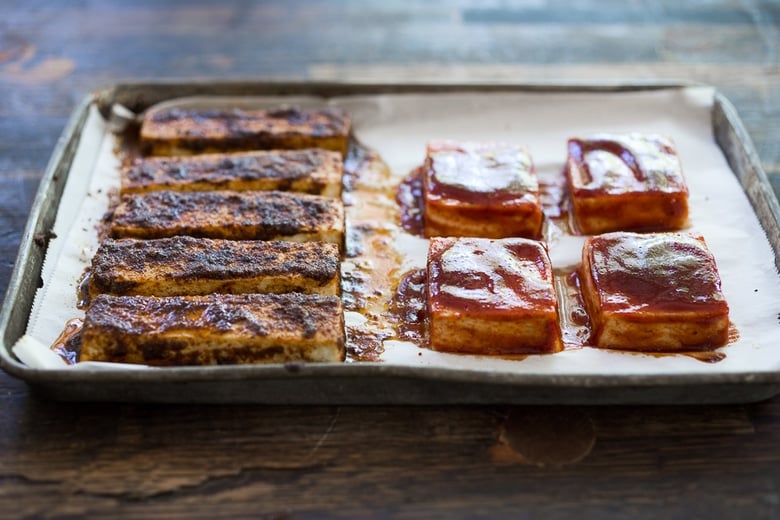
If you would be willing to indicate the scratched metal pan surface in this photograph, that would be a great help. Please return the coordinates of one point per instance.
(362, 382)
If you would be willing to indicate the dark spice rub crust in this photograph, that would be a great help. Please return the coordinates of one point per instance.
(184, 265)
(213, 329)
(309, 171)
(188, 131)
(248, 215)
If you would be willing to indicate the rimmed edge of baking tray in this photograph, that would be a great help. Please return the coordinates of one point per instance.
(361, 383)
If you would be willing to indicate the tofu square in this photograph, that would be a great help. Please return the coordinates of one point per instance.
(653, 292)
(491, 296)
(487, 190)
(626, 182)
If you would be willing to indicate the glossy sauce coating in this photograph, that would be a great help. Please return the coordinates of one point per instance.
(370, 267)
(410, 198)
(411, 321)
(553, 192)
(490, 276)
(481, 173)
(658, 272)
(620, 163)
(409, 309)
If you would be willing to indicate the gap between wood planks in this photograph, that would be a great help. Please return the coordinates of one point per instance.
(711, 73)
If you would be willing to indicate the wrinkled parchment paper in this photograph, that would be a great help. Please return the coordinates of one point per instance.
(398, 126)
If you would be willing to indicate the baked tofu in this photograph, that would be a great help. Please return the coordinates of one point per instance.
(487, 190)
(234, 215)
(310, 171)
(624, 182)
(653, 292)
(216, 329)
(491, 296)
(182, 265)
(179, 131)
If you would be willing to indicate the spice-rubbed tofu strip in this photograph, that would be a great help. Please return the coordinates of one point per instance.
(189, 131)
(244, 215)
(183, 265)
(311, 171)
(213, 330)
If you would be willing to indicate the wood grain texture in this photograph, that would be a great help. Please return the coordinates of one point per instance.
(103, 461)
(156, 462)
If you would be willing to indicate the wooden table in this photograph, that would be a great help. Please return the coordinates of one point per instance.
(73, 460)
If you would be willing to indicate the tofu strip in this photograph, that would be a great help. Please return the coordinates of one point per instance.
(309, 171)
(192, 131)
(247, 215)
(213, 330)
(181, 265)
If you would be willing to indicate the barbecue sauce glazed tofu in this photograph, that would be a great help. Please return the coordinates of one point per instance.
(626, 182)
(491, 297)
(653, 292)
(484, 190)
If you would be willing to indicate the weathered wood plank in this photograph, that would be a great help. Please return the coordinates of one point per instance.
(106, 458)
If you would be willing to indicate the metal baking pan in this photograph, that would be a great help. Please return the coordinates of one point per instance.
(363, 382)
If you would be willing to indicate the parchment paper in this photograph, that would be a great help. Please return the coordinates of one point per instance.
(398, 126)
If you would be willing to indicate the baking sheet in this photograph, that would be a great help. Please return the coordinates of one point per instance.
(399, 125)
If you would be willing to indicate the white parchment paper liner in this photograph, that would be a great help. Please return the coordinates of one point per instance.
(398, 126)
